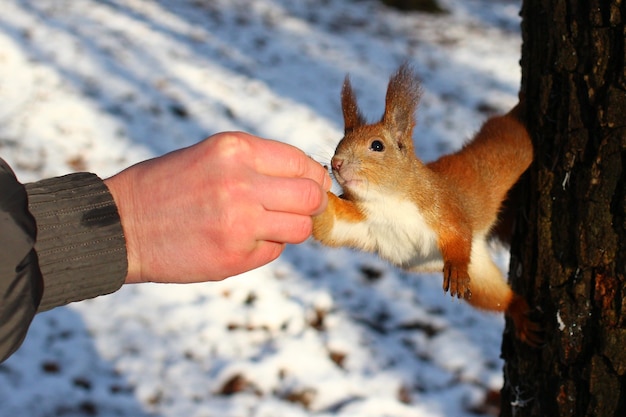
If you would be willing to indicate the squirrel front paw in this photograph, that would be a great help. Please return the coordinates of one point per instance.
(456, 279)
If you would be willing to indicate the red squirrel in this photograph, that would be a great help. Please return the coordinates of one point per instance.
(427, 217)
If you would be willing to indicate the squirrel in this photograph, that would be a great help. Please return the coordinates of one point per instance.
(427, 217)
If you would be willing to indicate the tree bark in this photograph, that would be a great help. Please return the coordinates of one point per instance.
(568, 255)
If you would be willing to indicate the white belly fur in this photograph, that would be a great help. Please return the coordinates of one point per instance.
(397, 231)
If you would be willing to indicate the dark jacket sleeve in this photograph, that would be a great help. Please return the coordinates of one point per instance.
(21, 283)
(79, 250)
(80, 241)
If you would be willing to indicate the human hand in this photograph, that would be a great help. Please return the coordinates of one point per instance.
(224, 206)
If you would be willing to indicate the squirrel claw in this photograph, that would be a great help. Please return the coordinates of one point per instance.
(532, 334)
(527, 330)
(457, 281)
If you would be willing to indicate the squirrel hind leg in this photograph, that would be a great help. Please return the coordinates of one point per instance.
(527, 330)
(490, 291)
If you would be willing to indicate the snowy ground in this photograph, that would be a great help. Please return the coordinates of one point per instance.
(98, 85)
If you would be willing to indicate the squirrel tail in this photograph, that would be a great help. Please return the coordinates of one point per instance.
(491, 292)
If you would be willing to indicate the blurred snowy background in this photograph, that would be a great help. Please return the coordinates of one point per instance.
(99, 85)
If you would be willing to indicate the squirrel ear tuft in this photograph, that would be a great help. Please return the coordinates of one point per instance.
(403, 94)
(352, 117)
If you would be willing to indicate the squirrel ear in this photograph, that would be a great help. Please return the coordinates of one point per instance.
(403, 94)
(352, 117)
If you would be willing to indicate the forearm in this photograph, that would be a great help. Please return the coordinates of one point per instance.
(80, 243)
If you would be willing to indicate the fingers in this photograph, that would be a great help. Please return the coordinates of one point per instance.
(282, 177)
(273, 232)
(234, 262)
(285, 228)
(293, 195)
(282, 160)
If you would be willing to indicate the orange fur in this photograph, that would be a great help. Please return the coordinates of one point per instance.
(426, 216)
(487, 164)
(338, 209)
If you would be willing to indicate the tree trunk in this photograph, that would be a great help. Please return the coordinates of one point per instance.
(569, 251)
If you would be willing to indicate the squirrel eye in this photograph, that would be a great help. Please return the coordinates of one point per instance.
(377, 146)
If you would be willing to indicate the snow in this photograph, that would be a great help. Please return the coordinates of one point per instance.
(99, 85)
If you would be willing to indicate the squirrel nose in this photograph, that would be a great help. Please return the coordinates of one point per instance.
(336, 163)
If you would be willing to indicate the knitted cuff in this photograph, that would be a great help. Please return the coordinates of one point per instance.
(80, 242)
